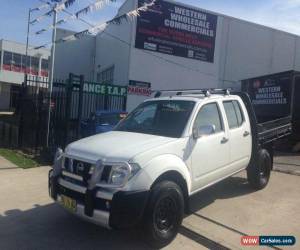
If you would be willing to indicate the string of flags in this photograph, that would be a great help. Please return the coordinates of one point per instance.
(99, 4)
(100, 27)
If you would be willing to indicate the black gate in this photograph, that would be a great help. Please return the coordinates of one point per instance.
(72, 101)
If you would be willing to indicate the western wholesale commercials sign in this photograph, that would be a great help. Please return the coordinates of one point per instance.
(177, 30)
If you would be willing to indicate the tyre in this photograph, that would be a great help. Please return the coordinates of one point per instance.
(164, 214)
(259, 173)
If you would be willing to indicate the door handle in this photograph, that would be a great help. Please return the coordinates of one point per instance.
(246, 134)
(224, 140)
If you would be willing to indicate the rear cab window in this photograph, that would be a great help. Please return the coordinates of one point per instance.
(234, 114)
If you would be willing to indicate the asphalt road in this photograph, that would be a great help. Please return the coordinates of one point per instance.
(220, 216)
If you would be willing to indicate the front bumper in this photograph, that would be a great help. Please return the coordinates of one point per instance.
(111, 210)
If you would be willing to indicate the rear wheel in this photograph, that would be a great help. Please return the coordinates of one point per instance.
(259, 173)
(164, 214)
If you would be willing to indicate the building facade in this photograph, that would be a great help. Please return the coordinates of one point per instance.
(177, 46)
(14, 65)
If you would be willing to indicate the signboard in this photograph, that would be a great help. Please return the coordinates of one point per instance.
(103, 89)
(176, 30)
(139, 88)
(270, 95)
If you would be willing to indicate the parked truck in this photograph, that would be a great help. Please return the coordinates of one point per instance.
(169, 148)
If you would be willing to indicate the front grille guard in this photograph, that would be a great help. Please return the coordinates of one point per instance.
(95, 178)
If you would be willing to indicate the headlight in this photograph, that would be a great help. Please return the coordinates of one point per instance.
(120, 174)
(58, 158)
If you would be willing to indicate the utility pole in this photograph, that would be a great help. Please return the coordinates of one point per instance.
(27, 42)
(28, 27)
(51, 75)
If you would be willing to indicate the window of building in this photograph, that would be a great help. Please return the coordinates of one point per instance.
(23, 64)
(209, 114)
(106, 76)
(27, 62)
(45, 67)
(16, 62)
(34, 62)
(234, 114)
(7, 60)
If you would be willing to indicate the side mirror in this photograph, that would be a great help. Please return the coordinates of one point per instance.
(204, 131)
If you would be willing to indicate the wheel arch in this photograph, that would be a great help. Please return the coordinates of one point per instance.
(176, 177)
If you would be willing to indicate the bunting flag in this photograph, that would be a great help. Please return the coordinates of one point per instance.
(64, 5)
(41, 7)
(99, 4)
(40, 31)
(41, 47)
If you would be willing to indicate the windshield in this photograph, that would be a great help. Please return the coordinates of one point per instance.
(165, 118)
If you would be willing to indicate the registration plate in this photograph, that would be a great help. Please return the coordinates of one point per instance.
(69, 203)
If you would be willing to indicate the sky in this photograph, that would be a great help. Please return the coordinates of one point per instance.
(280, 14)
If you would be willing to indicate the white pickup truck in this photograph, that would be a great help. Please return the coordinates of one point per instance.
(169, 148)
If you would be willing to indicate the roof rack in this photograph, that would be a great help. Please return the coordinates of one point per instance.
(182, 92)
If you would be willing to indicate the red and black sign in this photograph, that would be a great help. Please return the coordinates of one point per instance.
(139, 88)
(177, 30)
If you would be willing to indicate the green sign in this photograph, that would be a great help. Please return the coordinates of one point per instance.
(104, 89)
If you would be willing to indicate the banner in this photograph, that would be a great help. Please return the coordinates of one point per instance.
(103, 89)
(177, 30)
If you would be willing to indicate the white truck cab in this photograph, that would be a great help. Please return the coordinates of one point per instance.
(169, 148)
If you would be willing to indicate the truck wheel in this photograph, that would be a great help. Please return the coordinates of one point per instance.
(259, 174)
(164, 214)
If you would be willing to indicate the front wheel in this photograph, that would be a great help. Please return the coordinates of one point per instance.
(259, 173)
(164, 214)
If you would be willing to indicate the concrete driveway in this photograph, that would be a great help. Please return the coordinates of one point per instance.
(221, 215)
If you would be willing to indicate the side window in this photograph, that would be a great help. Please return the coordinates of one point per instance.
(234, 114)
(209, 114)
(239, 112)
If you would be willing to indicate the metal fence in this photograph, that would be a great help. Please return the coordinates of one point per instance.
(72, 101)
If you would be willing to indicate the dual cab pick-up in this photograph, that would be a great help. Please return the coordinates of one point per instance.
(167, 149)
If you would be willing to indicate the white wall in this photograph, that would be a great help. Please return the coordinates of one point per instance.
(113, 48)
(74, 56)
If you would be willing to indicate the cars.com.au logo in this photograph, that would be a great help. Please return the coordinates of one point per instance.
(268, 240)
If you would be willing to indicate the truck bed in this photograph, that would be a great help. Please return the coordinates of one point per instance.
(273, 130)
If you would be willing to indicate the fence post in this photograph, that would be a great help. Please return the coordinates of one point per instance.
(81, 78)
(69, 88)
(106, 99)
(39, 120)
(21, 105)
(124, 106)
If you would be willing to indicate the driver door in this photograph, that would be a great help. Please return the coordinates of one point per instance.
(210, 153)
